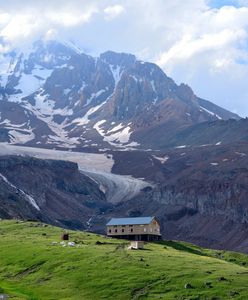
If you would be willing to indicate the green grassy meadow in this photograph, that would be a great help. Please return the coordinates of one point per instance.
(32, 267)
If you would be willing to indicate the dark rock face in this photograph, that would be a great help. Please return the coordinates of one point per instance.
(55, 96)
(201, 193)
(61, 193)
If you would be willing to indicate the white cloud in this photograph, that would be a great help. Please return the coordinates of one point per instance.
(4, 18)
(70, 19)
(190, 46)
(112, 12)
(203, 46)
(20, 25)
(30, 21)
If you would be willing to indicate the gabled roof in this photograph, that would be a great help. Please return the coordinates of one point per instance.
(130, 221)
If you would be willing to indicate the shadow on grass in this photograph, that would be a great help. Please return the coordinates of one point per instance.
(181, 247)
(145, 249)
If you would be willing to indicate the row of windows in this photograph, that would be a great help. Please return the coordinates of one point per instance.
(131, 230)
(123, 230)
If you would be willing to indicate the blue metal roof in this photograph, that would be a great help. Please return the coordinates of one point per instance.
(130, 221)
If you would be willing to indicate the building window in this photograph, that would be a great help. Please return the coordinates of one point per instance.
(109, 230)
(122, 230)
(150, 229)
(131, 229)
(144, 229)
(115, 230)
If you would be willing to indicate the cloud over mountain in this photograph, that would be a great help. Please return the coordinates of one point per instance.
(202, 43)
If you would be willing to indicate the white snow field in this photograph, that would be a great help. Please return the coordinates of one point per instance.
(98, 167)
(86, 161)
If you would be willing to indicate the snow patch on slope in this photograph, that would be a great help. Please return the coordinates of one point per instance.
(95, 95)
(121, 136)
(21, 136)
(210, 113)
(116, 72)
(46, 106)
(154, 91)
(29, 199)
(30, 83)
(116, 128)
(60, 136)
(161, 159)
(181, 147)
(118, 136)
(18, 134)
(85, 119)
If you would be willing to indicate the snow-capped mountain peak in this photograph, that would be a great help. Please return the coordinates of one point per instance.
(54, 95)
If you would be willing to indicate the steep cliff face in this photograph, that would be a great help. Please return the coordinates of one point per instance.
(52, 191)
(212, 228)
(200, 196)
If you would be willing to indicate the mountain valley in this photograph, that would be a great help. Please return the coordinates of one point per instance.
(83, 139)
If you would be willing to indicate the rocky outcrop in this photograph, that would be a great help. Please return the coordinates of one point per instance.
(51, 191)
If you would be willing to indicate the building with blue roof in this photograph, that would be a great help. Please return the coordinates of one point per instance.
(139, 229)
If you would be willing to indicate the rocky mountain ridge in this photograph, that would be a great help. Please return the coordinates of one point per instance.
(55, 96)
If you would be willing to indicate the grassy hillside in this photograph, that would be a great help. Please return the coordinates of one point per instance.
(33, 267)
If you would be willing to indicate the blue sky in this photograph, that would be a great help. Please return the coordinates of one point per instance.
(199, 42)
(220, 3)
